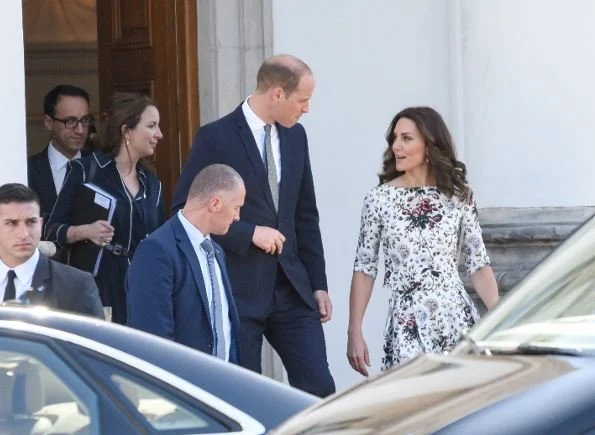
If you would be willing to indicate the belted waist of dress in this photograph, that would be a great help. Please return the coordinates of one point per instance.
(116, 249)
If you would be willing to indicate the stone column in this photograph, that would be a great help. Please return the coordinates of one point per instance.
(234, 37)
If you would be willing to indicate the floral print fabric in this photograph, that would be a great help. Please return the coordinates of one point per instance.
(419, 230)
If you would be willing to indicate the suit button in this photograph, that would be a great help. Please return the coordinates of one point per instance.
(211, 345)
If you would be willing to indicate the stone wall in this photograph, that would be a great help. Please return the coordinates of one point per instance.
(517, 239)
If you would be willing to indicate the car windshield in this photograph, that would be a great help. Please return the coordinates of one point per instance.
(553, 306)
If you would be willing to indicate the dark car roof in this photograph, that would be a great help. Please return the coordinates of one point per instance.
(266, 400)
(460, 395)
(562, 404)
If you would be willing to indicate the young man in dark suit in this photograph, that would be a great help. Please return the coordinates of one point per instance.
(28, 276)
(274, 252)
(177, 285)
(67, 119)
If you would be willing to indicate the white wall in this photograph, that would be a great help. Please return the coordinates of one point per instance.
(514, 80)
(13, 148)
(529, 84)
(365, 74)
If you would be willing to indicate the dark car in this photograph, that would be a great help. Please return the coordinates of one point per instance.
(527, 368)
(68, 374)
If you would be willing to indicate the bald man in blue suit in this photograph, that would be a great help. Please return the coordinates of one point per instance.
(172, 289)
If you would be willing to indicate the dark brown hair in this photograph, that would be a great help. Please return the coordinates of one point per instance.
(125, 108)
(17, 192)
(450, 174)
(52, 97)
(284, 71)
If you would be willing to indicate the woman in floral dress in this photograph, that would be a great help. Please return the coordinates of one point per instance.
(416, 213)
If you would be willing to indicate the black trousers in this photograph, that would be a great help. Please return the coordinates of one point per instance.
(295, 332)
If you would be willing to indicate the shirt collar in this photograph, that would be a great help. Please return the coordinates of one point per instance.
(57, 159)
(24, 271)
(254, 122)
(194, 234)
(103, 160)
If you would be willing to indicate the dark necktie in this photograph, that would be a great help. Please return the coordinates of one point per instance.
(10, 291)
(269, 161)
(216, 309)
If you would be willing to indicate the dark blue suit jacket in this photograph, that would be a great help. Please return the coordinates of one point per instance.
(166, 293)
(40, 179)
(252, 272)
(62, 287)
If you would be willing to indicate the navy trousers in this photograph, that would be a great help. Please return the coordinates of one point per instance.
(295, 332)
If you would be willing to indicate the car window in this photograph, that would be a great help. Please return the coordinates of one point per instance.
(554, 305)
(157, 403)
(162, 413)
(40, 394)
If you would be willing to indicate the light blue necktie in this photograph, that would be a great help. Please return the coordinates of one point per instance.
(219, 350)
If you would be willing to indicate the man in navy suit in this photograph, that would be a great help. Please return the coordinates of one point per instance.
(274, 252)
(177, 285)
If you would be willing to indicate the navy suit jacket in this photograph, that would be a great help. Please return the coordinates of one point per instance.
(41, 180)
(166, 293)
(252, 271)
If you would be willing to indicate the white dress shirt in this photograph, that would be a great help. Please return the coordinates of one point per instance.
(24, 275)
(196, 238)
(58, 162)
(257, 127)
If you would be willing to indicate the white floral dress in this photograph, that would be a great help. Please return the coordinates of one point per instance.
(419, 230)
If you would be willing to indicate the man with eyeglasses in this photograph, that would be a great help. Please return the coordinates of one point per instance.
(67, 118)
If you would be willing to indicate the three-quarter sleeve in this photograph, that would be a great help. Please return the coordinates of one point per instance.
(474, 252)
(56, 227)
(366, 257)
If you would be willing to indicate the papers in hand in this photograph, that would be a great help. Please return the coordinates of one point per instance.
(104, 200)
(91, 204)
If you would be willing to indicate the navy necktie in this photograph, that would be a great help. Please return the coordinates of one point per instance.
(10, 291)
(216, 309)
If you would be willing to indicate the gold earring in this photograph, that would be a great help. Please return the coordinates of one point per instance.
(127, 142)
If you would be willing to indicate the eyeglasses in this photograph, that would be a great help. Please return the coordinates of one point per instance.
(72, 122)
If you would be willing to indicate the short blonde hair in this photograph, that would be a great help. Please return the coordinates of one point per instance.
(213, 179)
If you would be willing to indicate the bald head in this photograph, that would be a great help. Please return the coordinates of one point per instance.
(282, 70)
(214, 199)
(214, 179)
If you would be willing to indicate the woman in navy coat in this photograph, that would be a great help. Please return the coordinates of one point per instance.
(131, 133)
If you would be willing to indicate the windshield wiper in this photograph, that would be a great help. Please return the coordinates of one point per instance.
(476, 348)
(528, 348)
